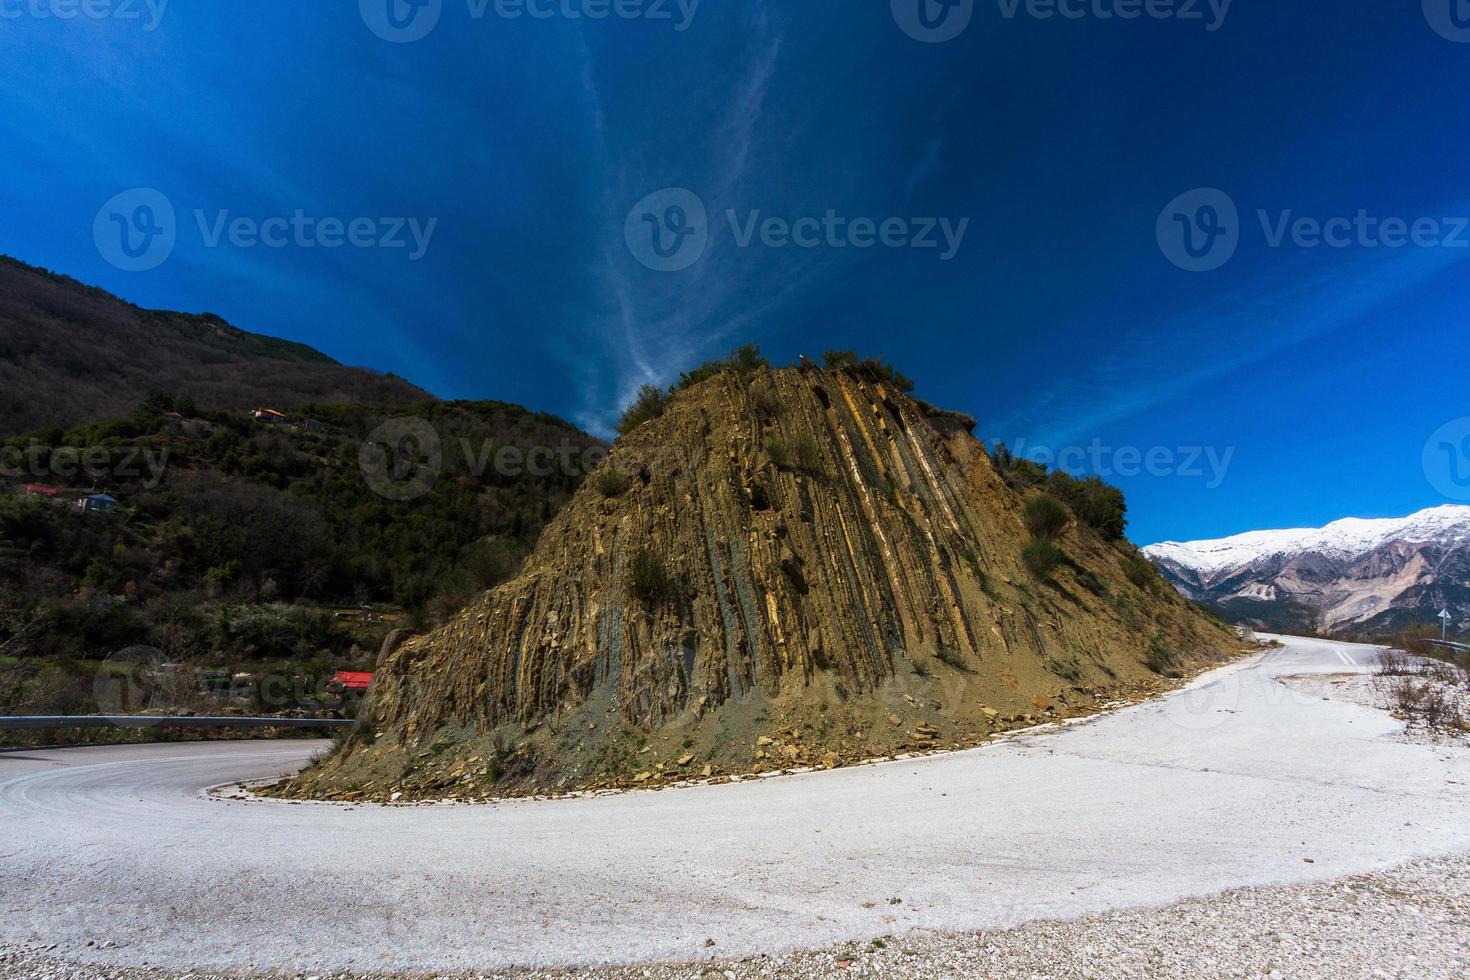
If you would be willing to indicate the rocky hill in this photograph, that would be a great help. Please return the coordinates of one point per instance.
(789, 567)
(72, 353)
(1362, 575)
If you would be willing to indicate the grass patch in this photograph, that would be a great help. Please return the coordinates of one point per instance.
(801, 454)
(1162, 660)
(1041, 558)
(1068, 670)
(952, 658)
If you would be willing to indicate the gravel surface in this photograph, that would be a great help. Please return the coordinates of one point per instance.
(1412, 922)
(118, 856)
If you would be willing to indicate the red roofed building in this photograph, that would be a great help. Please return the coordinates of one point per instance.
(38, 490)
(349, 685)
(353, 680)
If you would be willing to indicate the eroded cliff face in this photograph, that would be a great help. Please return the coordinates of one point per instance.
(840, 579)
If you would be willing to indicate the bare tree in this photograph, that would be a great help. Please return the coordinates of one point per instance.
(18, 625)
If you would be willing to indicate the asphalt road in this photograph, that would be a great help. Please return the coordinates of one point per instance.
(117, 854)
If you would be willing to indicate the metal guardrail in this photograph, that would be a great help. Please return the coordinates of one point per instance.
(37, 722)
(1450, 645)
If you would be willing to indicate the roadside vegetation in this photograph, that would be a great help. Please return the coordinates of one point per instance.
(253, 548)
(1429, 692)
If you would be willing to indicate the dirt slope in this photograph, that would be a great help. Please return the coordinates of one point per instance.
(71, 353)
(866, 597)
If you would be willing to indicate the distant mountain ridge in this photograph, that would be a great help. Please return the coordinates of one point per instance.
(1355, 573)
(72, 353)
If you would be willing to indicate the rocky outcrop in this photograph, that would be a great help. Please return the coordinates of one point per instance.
(795, 567)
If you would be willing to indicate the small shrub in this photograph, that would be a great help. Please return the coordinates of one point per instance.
(922, 669)
(745, 359)
(647, 406)
(777, 449)
(1394, 663)
(1161, 660)
(806, 455)
(1092, 583)
(767, 406)
(649, 579)
(877, 370)
(801, 454)
(1140, 571)
(1068, 670)
(1045, 517)
(972, 558)
(613, 482)
(1042, 558)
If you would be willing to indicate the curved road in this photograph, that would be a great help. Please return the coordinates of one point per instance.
(1237, 781)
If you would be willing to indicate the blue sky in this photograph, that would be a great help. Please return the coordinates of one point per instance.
(1291, 386)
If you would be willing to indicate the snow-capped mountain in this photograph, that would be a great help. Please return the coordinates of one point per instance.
(1354, 573)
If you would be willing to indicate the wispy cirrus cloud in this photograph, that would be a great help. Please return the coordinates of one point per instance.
(1148, 369)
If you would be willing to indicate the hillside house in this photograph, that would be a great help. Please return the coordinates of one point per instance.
(268, 415)
(98, 503)
(38, 490)
(350, 684)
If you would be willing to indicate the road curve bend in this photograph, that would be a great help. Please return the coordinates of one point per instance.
(120, 856)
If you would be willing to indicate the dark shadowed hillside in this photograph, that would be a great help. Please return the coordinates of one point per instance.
(71, 353)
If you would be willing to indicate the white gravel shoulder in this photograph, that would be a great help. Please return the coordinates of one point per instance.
(1412, 921)
(118, 858)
